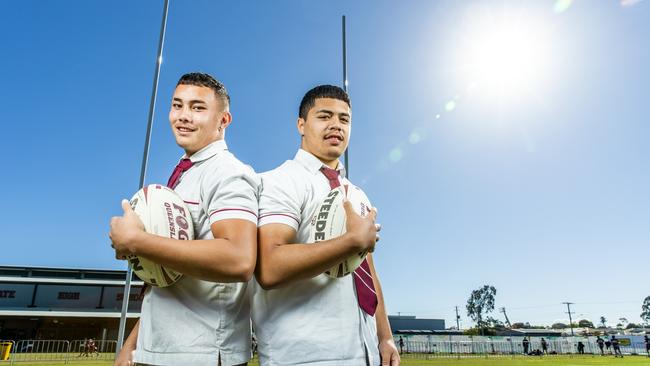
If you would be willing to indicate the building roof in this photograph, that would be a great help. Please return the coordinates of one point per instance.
(403, 323)
(530, 332)
(428, 332)
(11, 273)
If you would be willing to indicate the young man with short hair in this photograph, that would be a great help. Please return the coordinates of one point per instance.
(300, 315)
(204, 318)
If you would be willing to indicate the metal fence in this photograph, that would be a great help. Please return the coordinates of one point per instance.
(61, 351)
(487, 349)
(81, 350)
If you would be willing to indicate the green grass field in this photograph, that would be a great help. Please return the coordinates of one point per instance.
(519, 361)
(545, 361)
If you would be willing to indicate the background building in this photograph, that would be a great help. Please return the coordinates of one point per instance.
(70, 303)
(401, 324)
(63, 303)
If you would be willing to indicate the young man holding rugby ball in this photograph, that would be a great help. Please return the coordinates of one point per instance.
(300, 315)
(204, 318)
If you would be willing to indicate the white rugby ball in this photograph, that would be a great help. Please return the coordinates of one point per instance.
(329, 222)
(163, 213)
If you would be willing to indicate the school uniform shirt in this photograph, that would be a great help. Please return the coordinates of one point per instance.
(316, 321)
(194, 322)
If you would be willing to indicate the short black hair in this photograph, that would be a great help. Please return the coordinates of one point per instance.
(321, 91)
(207, 80)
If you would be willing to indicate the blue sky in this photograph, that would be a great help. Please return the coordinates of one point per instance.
(533, 180)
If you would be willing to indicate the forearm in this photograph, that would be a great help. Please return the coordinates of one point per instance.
(383, 326)
(285, 263)
(125, 357)
(132, 340)
(219, 260)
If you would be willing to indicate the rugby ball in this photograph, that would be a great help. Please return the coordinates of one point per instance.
(163, 213)
(329, 222)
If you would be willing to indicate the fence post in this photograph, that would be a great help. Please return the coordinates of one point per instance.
(512, 348)
(13, 357)
(12, 354)
(67, 354)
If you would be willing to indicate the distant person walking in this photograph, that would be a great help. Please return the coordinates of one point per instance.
(544, 346)
(601, 344)
(401, 345)
(647, 344)
(617, 347)
(581, 348)
(526, 344)
(608, 344)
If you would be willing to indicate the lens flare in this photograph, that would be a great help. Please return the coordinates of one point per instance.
(630, 2)
(414, 138)
(395, 155)
(562, 5)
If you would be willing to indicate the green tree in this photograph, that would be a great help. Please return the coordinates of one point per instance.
(603, 321)
(559, 326)
(495, 323)
(480, 304)
(584, 323)
(645, 310)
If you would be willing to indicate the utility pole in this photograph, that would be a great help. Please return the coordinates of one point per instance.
(568, 306)
(503, 310)
(457, 319)
(345, 87)
(143, 169)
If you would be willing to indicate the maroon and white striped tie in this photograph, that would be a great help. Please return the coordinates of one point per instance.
(366, 295)
(182, 167)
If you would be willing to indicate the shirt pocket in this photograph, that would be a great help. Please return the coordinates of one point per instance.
(198, 215)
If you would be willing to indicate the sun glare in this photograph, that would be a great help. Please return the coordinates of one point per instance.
(502, 55)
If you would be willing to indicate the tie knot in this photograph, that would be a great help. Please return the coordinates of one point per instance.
(330, 173)
(184, 164)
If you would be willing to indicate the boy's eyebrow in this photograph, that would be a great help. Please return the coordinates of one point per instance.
(332, 112)
(194, 101)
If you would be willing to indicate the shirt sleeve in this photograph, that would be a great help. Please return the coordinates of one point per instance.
(230, 192)
(280, 200)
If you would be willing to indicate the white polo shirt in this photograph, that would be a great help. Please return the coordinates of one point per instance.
(316, 321)
(193, 321)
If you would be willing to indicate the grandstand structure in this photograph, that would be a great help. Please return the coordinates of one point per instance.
(72, 303)
(64, 303)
